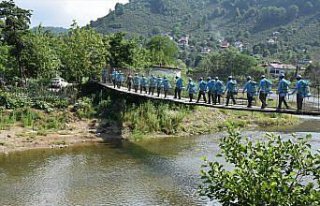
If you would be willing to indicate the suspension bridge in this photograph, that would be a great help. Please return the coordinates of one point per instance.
(311, 105)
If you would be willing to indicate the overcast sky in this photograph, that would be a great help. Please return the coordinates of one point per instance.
(60, 13)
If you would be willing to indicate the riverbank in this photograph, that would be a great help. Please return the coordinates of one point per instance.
(139, 122)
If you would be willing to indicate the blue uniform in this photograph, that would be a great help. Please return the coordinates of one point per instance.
(143, 81)
(218, 87)
(179, 83)
(119, 79)
(152, 82)
(265, 86)
(264, 89)
(211, 86)
(191, 88)
(283, 87)
(231, 89)
(178, 89)
(302, 88)
(166, 86)
(114, 75)
(250, 87)
(202, 90)
(136, 80)
(159, 84)
(202, 86)
(231, 86)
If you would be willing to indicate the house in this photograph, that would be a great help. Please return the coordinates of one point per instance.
(276, 68)
(224, 44)
(165, 71)
(184, 41)
(271, 41)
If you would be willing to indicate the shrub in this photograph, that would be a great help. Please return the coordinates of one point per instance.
(84, 108)
(271, 172)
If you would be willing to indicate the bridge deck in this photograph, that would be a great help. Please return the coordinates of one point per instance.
(240, 106)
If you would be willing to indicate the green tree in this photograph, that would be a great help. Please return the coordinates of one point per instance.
(163, 50)
(121, 50)
(270, 172)
(83, 54)
(119, 9)
(40, 59)
(227, 62)
(16, 24)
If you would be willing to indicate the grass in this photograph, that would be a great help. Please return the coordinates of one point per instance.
(33, 119)
(148, 118)
(163, 119)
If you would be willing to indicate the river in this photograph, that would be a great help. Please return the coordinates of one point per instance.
(151, 172)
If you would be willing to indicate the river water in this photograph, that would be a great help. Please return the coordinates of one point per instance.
(152, 172)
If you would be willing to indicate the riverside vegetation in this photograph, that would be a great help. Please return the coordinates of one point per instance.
(80, 55)
(38, 115)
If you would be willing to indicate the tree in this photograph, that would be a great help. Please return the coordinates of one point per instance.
(227, 62)
(121, 50)
(163, 50)
(271, 172)
(119, 9)
(16, 24)
(83, 54)
(40, 59)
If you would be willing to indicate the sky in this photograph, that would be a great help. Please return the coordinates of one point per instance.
(61, 13)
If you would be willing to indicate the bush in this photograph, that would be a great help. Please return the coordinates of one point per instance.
(272, 172)
(84, 108)
(148, 118)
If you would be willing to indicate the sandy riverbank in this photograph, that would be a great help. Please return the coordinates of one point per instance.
(19, 139)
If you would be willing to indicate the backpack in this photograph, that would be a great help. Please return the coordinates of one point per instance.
(306, 88)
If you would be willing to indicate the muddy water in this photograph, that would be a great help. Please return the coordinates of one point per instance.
(154, 172)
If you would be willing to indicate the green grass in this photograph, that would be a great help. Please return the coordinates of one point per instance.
(148, 117)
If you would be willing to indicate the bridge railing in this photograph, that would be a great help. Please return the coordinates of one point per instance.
(310, 104)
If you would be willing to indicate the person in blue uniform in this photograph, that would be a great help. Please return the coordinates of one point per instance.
(210, 89)
(143, 84)
(136, 82)
(283, 90)
(251, 88)
(159, 85)
(119, 79)
(231, 89)
(152, 84)
(114, 77)
(265, 86)
(218, 91)
(178, 88)
(166, 86)
(191, 89)
(202, 87)
(303, 90)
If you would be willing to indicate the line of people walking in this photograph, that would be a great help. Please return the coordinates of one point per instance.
(212, 90)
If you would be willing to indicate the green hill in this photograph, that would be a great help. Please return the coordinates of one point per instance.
(290, 26)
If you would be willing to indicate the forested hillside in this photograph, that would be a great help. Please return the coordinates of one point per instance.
(292, 24)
